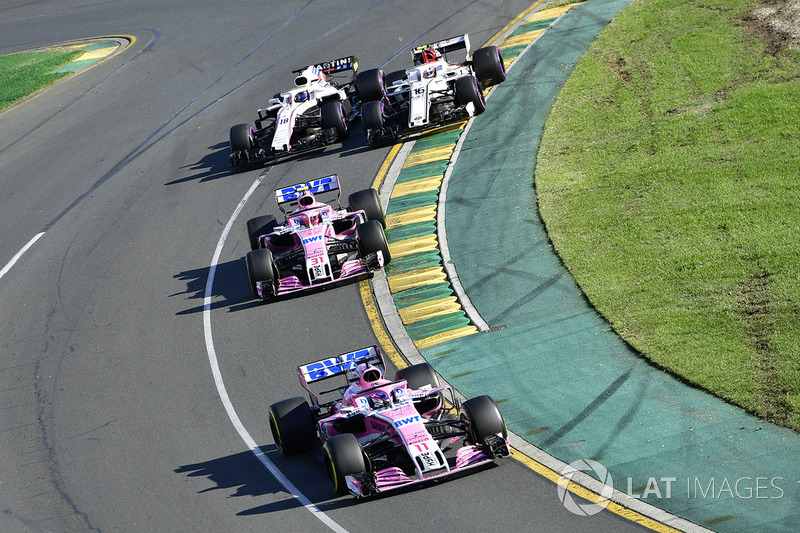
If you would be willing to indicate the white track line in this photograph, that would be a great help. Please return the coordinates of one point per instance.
(19, 254)
(223, 393)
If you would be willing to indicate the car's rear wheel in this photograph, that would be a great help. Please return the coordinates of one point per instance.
(368, 201)
(482, 419)
(372, 239)
(342, 456)
(467, 90)
(242, 137)
(258, 226)
(488, 65)
(372, 116)
(419, 376)
(332, 116)
(371, 85)
(260, 267)
(292, 425)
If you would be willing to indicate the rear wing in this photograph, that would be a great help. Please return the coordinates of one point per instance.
(334, 66)
(444, 47)
(288, 196)
(341, 365)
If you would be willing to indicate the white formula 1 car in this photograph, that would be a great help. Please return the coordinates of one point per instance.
(432, 93)
(315, 113)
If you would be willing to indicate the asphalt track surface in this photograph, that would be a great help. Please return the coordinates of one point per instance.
(110, 417)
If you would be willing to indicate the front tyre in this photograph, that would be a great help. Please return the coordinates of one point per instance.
(468, 91)
(292, 425)
(371, 239)
(488, 65)
(242, 137)
(260, 267)
(332, 116)
(372, 116)
(482, 419)
(342, 456)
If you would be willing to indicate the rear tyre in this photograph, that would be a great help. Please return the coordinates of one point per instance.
(368, 201)
(488, 65)
(332, 116)
(258, 226)
(467, 91)
(418, 376)
(261, 268)
(292, 425)
(482, 419)
(371, 85)
(372, 239)
(242, 137)
(342, 456)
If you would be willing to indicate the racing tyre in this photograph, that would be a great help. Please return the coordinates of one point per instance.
(292, 425)
(392, 77)
(372, 239)
(372, 116)
(368, 201)
(260, 268)
(259, 226)
(482, 419)
(342, 456)
(418, 376)
(332, 115)
(371, 85)
(488, 65)
(242, 137)
(467, 91)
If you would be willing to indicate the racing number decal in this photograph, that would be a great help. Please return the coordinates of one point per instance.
(419, 91)
(317, 260)
(421, 447)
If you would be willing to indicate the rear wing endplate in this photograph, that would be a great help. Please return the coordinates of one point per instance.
(288, 196)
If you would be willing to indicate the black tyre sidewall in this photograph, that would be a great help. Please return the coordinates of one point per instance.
(483, 418)
(241, 137)
(367, 200)
(260, 268)
(342, 456)
(488, 65)
(371, 85)
(332, 116)
(259, 226)
(292, 424)
(467, 90)
(372, 239)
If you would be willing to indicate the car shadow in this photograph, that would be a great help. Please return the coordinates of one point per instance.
(214, 165)
(230, 289)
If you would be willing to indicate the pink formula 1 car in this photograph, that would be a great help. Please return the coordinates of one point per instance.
(317, 245)
(378, 435)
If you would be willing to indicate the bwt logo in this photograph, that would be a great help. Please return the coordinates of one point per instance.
(312, 239)
(568, 500)
(405, 421)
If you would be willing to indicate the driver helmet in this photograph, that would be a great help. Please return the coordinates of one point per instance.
(315, 219)
(429, 55)
(368, 376)
(301, 97)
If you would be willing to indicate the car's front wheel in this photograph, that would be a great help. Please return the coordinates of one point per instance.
(482, 419)
(332, 116)
(372, 116)
(372, 239)
(260, 268)
(242, 137)
(468, 91)
(342, 456)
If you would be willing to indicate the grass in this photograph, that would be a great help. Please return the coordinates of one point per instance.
(669, 181)
(25, 73)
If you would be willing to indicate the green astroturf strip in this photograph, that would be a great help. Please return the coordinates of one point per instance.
(409, 231)
(411, 262)
(440, 139)
(412, 201)
(436, 325)
(418, 295)
(435, 168)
